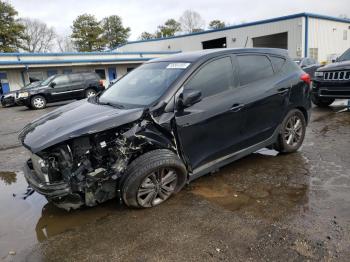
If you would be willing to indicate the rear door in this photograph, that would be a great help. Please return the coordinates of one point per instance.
(77, 85)
(265, 95)
(212, 127)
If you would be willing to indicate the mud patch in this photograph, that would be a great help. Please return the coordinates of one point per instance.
(258, 186)
(8, 177)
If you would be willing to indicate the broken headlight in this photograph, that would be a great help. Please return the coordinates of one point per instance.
(40, 167)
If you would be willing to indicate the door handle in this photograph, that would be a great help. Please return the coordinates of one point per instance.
(283, 90)
(236, 107)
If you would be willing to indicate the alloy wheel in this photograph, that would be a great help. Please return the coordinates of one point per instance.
(293, 131)
(39, 102)
(157, 187)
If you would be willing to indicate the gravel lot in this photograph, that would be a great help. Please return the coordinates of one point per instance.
(264, 207)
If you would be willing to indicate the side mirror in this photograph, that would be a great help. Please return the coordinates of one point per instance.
(189, 97)
(335, 60)
(52, 84)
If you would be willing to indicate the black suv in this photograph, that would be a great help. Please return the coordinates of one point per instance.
(166, 123)
(59, 88)
(332, 81)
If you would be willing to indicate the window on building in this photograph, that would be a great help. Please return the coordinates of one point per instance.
(35, 76)
(277, 63)
(101, 73)
(313, 53)
(345, 35)
(61, 80)
(253, 68)
(213, 78)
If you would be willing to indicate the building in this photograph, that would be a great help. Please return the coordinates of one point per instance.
(318, 36)
(19, 69)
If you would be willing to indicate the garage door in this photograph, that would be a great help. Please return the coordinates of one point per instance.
(272, 41)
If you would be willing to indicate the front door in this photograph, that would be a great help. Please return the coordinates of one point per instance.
(211, 128)
(61, 89)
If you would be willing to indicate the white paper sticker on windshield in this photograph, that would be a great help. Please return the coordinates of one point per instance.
(178, 65)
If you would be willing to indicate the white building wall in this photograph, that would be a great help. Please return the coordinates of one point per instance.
(235, 38)
(328, 37)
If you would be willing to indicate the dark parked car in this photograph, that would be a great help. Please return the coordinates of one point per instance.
(9, 99)
(59, 88)
(308, 64)
(332, 81)
(166, 123)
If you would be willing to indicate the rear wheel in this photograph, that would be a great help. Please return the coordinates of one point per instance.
(38, 102)
(90, 92)
(321, 101)
(292, 132)
(153, 178)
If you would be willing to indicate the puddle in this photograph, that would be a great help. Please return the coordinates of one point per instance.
(25, 222)
(263, 185)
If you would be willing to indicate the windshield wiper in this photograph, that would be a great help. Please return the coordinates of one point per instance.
(112, 104)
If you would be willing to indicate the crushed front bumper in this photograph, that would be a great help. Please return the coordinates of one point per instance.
(50, 190)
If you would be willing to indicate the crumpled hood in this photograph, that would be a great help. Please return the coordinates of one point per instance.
(73, 120)
(345, 65)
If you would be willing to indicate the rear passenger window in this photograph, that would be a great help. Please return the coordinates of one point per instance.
(213, 78)
(76, 78)
(277, 63)
(253, 68)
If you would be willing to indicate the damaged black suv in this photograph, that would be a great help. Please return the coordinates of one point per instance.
(166, 123)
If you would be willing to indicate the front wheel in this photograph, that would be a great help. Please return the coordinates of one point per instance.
(38, 102)
(321, 101)
(292, 132)
(153, 178)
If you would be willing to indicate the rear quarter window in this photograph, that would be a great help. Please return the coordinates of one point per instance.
(277, 63)
(253, 68)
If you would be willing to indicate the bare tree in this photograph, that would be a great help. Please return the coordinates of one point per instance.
(191, 21)
(65, 44)
(38, 36)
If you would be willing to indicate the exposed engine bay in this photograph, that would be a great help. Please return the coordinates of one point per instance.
(87, 170)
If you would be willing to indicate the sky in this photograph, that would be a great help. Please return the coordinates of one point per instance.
(146, 15)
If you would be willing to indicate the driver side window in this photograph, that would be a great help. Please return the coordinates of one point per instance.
(213, 78)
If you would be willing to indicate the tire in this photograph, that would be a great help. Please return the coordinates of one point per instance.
(321, 102)
(90, 92)
(292, 132)
(38, 102)
(145, 184)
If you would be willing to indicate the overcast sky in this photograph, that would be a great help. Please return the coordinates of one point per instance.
(146, 15)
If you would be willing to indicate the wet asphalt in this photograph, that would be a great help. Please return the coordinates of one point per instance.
(265, 207)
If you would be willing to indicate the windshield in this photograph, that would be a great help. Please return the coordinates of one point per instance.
(33, 84)
(48, 80)
(345, 56)
(144, 85)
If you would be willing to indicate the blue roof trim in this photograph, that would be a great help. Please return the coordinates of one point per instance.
(43, 62)
(265, 21)
(90, 53)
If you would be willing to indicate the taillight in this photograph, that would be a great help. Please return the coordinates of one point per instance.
(306, 78)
